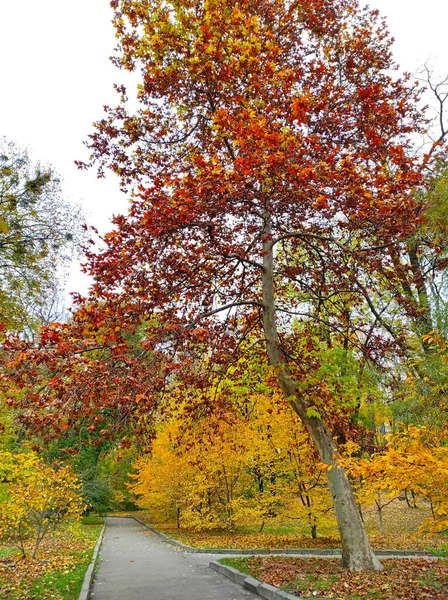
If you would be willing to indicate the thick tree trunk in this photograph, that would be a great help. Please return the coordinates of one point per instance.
(357, 554)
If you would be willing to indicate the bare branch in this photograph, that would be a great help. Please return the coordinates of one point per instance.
(229, 306)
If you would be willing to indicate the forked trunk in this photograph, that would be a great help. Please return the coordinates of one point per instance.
(357, 554)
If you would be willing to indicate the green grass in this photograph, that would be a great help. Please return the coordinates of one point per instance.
(305, 580)
(56, 575)
(442, 551)
(63, 585)
(92, 520)
(7, 552)
(238, 563)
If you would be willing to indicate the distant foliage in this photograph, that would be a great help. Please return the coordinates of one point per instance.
(415, 461)
(257, 465)
(39, 233)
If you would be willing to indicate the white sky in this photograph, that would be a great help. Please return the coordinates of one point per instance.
(55, 77)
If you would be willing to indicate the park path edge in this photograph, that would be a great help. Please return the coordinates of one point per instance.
(318, 552)
(265, 590)
(88, 577)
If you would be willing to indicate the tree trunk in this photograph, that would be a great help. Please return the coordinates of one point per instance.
(357, 554)
(379, 510)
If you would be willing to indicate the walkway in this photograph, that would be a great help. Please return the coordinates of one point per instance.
(136, 565)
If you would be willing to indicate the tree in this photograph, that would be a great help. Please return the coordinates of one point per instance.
(35, 499)
(422, 398)
(271, 170)
(252, 461)
(415, 459)
(39, 233)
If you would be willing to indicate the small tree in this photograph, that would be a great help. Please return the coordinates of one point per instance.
(35, 499)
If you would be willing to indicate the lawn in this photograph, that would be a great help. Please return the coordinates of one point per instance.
(319, 578)
(58, 571)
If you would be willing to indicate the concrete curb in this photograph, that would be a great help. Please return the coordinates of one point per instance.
(317, 552)
(264, 590)
(88, 577)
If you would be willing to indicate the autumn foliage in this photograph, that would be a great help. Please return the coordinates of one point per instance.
(35, 500)
(324, 578)
(414, 461)
(254, 464)
(273, 186)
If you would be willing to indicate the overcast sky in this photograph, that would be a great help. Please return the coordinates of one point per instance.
(55, 77)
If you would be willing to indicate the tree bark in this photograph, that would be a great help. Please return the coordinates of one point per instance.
(379, 509)
(357, 554)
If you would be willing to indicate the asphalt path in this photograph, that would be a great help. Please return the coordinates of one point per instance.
(135, 564)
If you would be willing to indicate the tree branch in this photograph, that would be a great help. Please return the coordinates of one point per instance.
(228, 306)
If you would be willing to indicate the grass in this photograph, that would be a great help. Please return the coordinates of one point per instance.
(441, 552)
(92, 520)
(58, 571)
(7, 552)
(318, 578)
(240, 564)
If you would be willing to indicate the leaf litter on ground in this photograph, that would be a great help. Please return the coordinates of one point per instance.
(319, 578)
(54, 574)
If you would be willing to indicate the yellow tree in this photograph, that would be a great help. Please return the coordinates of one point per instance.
(251, 460)
(415, 459)
(35, 499)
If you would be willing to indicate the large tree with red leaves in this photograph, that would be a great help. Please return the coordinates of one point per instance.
(268, 161)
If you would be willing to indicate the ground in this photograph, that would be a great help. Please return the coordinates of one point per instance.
(319, 578)
(57, 572)
(402, 532)
(322, 578)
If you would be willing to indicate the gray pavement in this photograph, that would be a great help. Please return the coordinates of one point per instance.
(136, 565)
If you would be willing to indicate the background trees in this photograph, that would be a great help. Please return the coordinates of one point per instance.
(413, 462)
(252, 463)
(40, 232)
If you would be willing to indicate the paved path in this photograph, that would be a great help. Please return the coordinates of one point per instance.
(136, 565)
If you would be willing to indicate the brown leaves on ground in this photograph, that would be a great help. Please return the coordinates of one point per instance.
(18, 574)
(406, 541)
(398, 517)
(402, 579)
(281, 541)
(251, 540)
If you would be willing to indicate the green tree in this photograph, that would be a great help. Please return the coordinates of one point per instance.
(39, 233)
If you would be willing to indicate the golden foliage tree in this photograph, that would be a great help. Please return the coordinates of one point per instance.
(414, 459)
(35, 499)
(253, 462)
